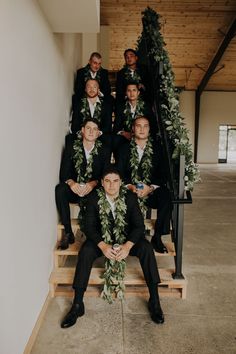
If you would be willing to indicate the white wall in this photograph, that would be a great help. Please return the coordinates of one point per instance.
(216, 108)
(36, 80)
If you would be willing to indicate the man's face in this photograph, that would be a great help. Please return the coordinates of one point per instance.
(130, 58)
(95, 64)
(141, 128)
(132, 92)
(92, 88)
(90, 132)
(111, 184)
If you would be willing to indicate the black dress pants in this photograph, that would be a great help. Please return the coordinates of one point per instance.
(90, 251)
(65, 196)
(160, 199)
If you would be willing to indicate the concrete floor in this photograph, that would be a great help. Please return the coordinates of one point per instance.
(204, 323)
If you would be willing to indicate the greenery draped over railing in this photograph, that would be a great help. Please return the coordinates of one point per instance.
(168, 95)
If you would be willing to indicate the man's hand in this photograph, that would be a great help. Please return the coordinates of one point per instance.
(123, 251)
(126, 135)
(141, 86)
(107, 250)
(142, 193)
(81, 190)
(75, 187)
(89, 187)
(132, 188)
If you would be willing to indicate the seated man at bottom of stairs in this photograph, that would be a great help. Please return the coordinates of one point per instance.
(113, 217)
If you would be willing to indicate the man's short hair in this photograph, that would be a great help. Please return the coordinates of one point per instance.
(92, 79)
(130, 50)
(112, 168)
(95, 54)
(132, 82)
(93, 120)
(140, 117)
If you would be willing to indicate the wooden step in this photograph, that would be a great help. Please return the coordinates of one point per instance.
(75, 247)
(149, 224)
(62, 277)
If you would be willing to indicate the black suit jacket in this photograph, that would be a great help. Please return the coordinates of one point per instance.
(105, 117)
(158, 176)
(134, 229)
(120, 118)
(121, 83)
(80, 81)
(67, 168)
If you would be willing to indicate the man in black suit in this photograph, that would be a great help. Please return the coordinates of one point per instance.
(81, 168)
(141, 166)
(132, 71)
(116, 199)
(126, 112)
(92, 106)
(93, 70)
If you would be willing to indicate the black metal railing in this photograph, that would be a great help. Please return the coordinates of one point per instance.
(175, 169)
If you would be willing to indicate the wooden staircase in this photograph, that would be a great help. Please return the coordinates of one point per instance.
(62, 275)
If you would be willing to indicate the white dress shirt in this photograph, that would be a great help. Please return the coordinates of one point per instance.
(92, 106)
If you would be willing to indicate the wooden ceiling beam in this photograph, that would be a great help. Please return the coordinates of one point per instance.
(211, 69)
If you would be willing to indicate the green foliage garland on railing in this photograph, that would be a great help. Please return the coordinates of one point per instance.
(168, 96)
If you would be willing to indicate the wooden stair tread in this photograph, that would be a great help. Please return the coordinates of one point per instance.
(74, 223)
(149, 224)
(133, 276)
(75, 247)
(142, 291)
(72, 250)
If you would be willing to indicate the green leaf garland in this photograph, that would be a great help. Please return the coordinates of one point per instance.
(88, 76)
(114, 271)
(85, 111)
(132, 75)
(146, 165)
(139, 111)
(79, 158)
(169, 97)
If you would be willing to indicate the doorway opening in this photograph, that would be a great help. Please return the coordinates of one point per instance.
(227, 144)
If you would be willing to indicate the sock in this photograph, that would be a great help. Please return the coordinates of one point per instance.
(79, 295)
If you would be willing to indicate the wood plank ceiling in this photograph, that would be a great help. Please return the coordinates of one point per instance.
(193, 31)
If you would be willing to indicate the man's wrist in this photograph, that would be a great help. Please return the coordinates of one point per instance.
(101, 245)
(93, 184)
(70, 182)
(151, 189)
(129, 245)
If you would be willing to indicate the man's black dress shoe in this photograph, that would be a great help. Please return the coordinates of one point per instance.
(156, 313)
(77, 310)
(158, 245)
(66, 239)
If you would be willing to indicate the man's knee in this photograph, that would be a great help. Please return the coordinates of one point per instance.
(61, 190)
(144, 247)
(89, 250)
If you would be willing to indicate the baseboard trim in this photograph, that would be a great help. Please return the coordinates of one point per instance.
(37, 326)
